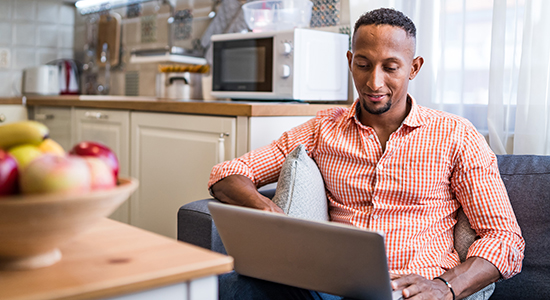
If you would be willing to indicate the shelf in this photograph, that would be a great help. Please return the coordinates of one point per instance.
(167, 58)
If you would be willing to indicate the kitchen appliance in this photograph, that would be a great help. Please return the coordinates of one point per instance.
(41, 80)
(298, 64)
(69, 77)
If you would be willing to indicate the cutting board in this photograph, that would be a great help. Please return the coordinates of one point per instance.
(109, 32)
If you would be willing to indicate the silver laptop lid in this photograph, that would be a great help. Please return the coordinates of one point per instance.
(321, 256)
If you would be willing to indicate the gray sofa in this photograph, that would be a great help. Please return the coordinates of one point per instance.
(527, 179)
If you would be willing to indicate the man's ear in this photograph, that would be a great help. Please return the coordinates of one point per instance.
(415, 67)
(350, 58)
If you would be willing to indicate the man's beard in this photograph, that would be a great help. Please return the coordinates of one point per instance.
(379, 111)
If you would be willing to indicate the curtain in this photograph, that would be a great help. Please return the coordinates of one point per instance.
(532, 117)
(485, 60)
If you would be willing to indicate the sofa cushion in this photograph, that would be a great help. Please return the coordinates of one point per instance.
(300, 189)
(527, 180)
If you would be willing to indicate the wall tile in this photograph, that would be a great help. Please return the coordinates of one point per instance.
(48, 11)
(65, 54)
(5, 9)
(66, 15)
(24, 10)
(5, 83)
(23, 58)
(24, 34)
(47, 36)
(16, 83)
(45, 55)
(66, 36)
(5, 33)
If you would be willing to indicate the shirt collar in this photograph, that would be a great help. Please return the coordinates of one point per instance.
(415, 118)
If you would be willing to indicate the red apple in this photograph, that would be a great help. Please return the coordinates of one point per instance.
(99, 150)
(52, 173)
(8, 174)
(101, 174)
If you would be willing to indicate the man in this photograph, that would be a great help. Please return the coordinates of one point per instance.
(393, 166)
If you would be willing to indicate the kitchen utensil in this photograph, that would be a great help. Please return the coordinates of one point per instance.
(179, 85)
(272, 15)
(33, 227)
(41, 80)
(109, 34)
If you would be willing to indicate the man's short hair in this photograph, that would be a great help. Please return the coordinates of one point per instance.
(387, 16)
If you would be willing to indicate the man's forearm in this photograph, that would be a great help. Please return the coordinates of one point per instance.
(240, 190)
(470, 276)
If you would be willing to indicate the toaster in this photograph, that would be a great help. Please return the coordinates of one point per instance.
(41, 80)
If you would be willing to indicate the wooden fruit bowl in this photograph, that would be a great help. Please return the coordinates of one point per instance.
(33, 227)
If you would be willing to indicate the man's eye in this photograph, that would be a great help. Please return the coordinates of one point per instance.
(391, 69)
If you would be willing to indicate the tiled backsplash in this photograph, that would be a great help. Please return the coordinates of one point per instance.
(32, 33)
(35, 32)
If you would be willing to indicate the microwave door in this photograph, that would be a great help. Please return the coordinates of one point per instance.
(243, 65)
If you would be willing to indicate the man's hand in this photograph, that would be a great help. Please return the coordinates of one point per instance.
(466, 278)
(418, 287)
(239, 190)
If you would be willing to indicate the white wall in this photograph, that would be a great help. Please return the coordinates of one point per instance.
(32, 32)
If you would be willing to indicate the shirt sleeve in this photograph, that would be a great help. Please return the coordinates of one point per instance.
(480, 190)
(263, 165)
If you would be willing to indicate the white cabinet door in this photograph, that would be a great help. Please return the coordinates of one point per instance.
(172, 156)
(59, 122)
(111, 128)
(12, 112)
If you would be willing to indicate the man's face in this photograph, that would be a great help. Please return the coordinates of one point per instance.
(382, 63)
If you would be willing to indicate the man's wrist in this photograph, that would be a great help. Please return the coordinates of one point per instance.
(448, 285)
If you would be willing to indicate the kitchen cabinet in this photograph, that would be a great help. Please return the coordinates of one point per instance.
(12, 113)
(58, 120)
(111, 128)
(169, 146)
(172, 156)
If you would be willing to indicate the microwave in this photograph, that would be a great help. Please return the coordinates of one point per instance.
(299, 64)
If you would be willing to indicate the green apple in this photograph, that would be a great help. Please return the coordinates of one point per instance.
(24, 154)
(53, 173)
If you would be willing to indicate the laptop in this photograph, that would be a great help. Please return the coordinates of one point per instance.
(327, 257)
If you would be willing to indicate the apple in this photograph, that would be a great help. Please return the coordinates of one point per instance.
(24, 154)
(50, 173)
(99, 150)
(8, 174)
(102, 175)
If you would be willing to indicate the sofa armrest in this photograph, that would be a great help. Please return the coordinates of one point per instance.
(195, 224)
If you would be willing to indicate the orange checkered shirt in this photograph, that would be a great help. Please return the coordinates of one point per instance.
(433, 164)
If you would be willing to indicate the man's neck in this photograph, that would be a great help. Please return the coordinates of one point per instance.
(385, 124)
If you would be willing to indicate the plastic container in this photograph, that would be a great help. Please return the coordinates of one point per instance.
(272, 15)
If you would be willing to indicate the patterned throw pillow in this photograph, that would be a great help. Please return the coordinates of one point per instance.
(301, 189)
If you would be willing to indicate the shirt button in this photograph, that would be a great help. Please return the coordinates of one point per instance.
(375, 217)
(376, 198)
(380, 167)
(371, 137)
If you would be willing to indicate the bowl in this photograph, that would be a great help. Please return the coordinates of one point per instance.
(33, 227)
(272, 15)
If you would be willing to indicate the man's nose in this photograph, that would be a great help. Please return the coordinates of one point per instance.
(375, 80)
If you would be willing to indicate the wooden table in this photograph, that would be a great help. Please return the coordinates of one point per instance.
(117, 261)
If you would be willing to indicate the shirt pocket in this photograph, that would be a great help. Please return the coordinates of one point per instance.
(426, 182)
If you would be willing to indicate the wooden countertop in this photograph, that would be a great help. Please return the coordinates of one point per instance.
(113, 259)
(11, 100)
(220, 108)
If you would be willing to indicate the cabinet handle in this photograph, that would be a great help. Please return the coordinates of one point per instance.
(2, 118)
(221, 147)
(43, 117)
(96, 115)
